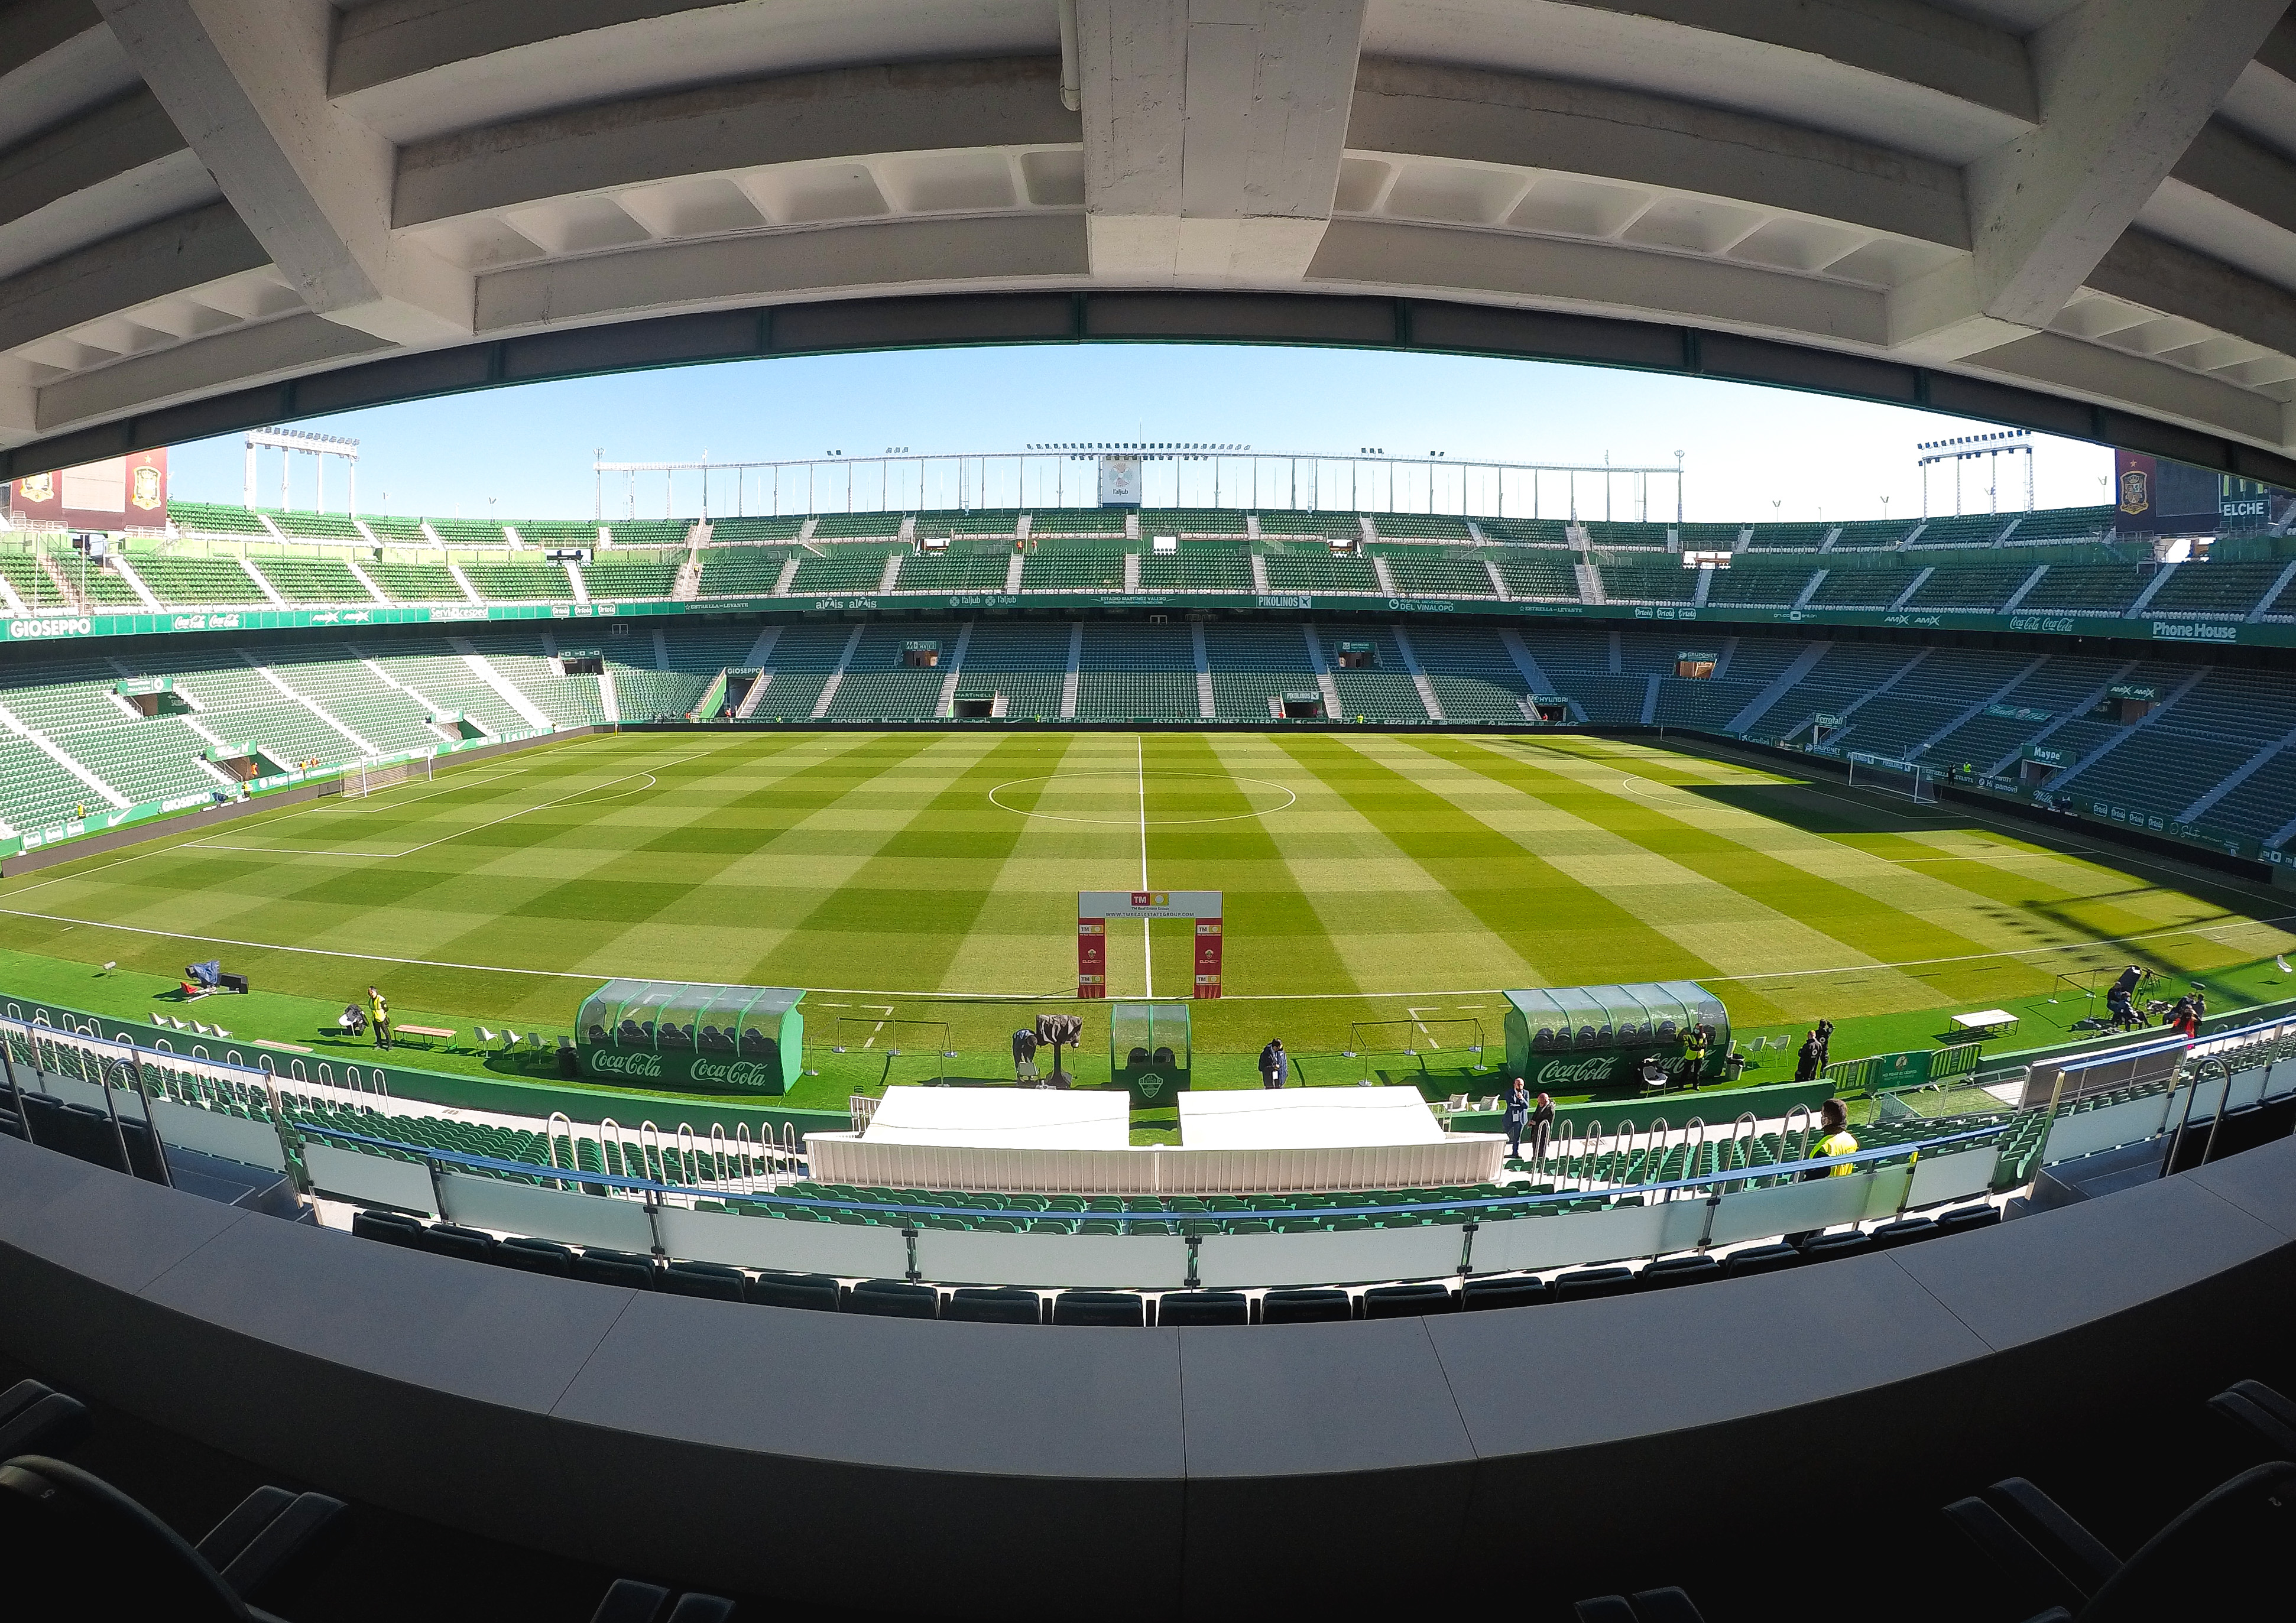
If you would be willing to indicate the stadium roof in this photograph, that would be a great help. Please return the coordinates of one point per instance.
(2079, 216)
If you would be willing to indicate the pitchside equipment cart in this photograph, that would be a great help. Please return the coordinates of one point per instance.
(686, 1035)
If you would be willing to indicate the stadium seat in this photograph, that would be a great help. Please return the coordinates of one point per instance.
(1117, 1309)
(1647, 1606)
(818, 1292)
(2246, 1403)
(893, 1298)
(1671, 1271)
(1504, 1290)
(1963, 1218)
(630, 1602)
(36, 1419)
(1408, 1302)
(390, 1227)
(712, 1279)
(1831, 1248)
(534, 1256)
(994, 1305)
(105, 1555)
(1760, 1259)
(2221, 1557)
(1581, 1284)
(453, 1240)
(602, 1266)
(1188, 1310)
(1312, 1306)
(1905, 1231)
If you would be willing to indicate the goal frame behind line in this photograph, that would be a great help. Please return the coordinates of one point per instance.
(1911, 779)
(373, 777)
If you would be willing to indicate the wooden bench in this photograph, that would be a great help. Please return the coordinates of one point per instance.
(399, 1031)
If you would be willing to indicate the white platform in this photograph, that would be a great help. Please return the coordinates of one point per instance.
(1308, 1119)
(1241, 1141)
(1002, 1118)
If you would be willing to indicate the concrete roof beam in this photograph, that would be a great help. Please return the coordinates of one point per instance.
(1212, 133)
(245, 80)
(1431, 111)
(1899, 74)
(725, 128)
(2126, 86)
(61, 60)
(415, 69)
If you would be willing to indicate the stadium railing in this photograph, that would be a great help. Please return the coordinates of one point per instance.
(702, 1201)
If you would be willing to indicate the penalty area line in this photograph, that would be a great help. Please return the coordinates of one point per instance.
(289, 850)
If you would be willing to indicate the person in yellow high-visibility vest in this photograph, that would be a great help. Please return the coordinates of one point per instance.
(1834, 1121)
(1692, 1069)
(1836, 1139)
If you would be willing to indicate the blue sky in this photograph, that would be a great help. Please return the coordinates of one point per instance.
(1743, 447)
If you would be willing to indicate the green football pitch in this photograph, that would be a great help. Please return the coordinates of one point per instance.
(1380, 890)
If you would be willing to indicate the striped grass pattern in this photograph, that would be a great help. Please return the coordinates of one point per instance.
(1368, 876)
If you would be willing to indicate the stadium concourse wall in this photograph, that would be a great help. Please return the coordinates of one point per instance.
(48, 628)
(513, 1095)
(995, 1469)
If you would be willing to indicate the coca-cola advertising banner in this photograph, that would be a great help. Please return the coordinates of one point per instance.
(120, 493)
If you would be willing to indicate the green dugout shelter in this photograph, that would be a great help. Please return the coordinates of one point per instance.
(1577, 1039)
(688, 1034)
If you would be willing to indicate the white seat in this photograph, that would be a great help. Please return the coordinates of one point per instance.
(219, 1031)
(485, 1035)
(202, 1030)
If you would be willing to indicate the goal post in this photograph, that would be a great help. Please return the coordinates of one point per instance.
(1892, 775)
(373, 777)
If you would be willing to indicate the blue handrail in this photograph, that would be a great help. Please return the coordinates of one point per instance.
(609, 1180)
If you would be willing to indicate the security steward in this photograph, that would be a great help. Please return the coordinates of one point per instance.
(1834, 1122)
(1694, 1055)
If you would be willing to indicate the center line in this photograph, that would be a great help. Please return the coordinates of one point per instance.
(1140, 769)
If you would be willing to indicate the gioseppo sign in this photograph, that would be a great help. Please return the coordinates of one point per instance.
(21, 628)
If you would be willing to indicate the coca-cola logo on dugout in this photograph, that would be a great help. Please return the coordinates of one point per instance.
(1558, 1071)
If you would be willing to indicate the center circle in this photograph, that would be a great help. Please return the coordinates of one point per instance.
(1133, 778)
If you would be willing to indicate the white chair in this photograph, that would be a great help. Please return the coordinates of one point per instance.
(202, 1030)
(219, 1031)
(485, 1035)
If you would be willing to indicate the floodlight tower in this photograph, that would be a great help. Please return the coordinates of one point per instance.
(1961, 449)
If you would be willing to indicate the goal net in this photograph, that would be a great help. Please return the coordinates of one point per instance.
(1910, 779)
(369, 778)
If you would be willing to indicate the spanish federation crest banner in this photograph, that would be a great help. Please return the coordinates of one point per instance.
(2133, 479)
(119, 493)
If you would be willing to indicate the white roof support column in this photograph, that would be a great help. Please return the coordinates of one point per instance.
(1213, 131)
(2125, 87)
(246, 83)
